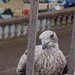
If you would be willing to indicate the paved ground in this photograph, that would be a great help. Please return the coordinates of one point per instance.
(9, 56)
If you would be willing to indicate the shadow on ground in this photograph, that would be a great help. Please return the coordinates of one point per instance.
(9, 56)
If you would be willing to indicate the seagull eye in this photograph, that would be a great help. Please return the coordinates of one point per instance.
(51, 36)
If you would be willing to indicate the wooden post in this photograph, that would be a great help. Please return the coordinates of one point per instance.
(32, 37)
(71, 65)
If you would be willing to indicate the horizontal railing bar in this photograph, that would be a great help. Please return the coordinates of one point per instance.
(48, 14)
(66, 11)
(14, 20)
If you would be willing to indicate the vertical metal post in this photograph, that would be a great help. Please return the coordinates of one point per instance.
(72, 51)
(32, 37)
(48, 7)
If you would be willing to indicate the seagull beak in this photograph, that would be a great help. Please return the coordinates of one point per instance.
(45, 45)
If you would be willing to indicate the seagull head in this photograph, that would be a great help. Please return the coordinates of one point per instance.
(48, 39)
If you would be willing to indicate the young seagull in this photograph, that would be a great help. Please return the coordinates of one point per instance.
(49, 59)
